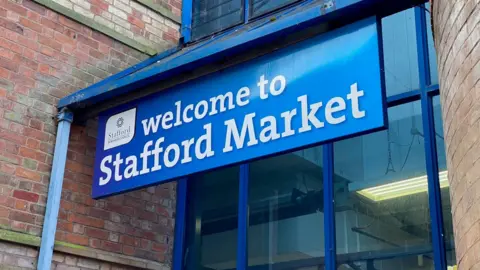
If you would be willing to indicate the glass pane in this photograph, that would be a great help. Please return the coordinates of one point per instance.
(432, 55)
(381, 201)
(212, 16)
(260, 7)
(286, 212)
(212, 214)
(443, 177)
(400, 52)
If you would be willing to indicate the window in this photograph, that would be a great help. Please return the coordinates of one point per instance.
(211, 220)
(260, 7)
(286, 211)
(213, 16)
(381, 197)
(381, 201)
(400, 52)
(431, 49)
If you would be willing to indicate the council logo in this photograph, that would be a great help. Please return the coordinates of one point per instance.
(120, 129)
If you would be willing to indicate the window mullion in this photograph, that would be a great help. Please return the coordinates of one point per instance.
(186, 28)
(180, 222)
(434, 193)
(329, 207)
(242, 234)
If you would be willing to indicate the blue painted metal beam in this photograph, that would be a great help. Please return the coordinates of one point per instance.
(180, 221)
(242, 233)
(186, 28)
(329, 207)
(434, 193)
(239, 41)
(65, 119)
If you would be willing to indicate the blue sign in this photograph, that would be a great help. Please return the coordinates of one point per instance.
(321, 89)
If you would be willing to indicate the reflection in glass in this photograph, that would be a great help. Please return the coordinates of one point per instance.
(381, 200)
(400, 52)
(260, 7)
(286, 211)
(442, 168)
(432, 55)
(211, 226)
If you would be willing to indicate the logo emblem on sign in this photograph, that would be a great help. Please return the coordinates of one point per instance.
(120, 122)
(120, 129)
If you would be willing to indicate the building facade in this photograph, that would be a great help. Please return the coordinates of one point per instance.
(48, 50)
(389, 186)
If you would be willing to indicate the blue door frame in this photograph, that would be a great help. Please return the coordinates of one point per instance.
(425, 94)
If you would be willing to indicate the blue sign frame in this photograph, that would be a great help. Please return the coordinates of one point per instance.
(322, 89)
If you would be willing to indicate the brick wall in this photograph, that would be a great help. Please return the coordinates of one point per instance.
(175, 6)
(457, 35)
(45, 56)
(15, 256)
(138, 223)
(131, 19)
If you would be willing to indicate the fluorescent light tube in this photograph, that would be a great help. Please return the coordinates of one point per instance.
(402, 188)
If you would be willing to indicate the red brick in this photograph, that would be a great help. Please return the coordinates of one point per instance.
(159, 247)
(81, 209)
(8, 5)
(22, 217)
(9, 64)
(7, 168)
(60, 236)
(52, 25)
(102, 38)
(77, 218)
(7, 201)
(32, 25)
(76, 239)
(25, 195)
(66, 205)
(19, 79)
(28, 174)
(37, 209)
(63, 39)
(32, 143)
(18, 226)
(124, 210)
(128, 240)
(96, 233)
(4, 211)
(111, 246)
(87, 41)
(37, 134)
(96, 10)
(139, 23)
(49, 42)
(99, 213)
(64, 226)
(44, 168)
(4, 73)
(70, 23)
(10, 45)
(128, 250)
(147, 216)
(95, 243)
(100, 3)
(25, 61)
(34, 6)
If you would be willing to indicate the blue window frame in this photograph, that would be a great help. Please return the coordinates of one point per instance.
(203, 18)
(419, 93)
